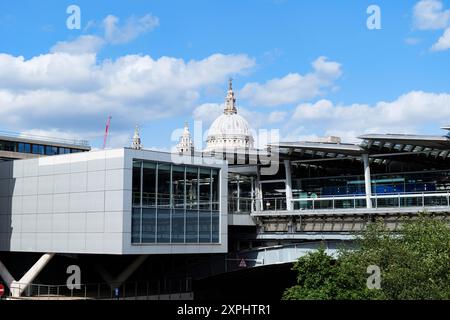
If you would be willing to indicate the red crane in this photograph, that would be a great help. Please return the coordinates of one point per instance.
(106, 131)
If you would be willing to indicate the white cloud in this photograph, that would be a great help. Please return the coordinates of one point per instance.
(207, 112)
(113, 33)
(409, 113)
(293, 87)
(443, 43)
(82, 44)
(276, 116)
(76, 92)
(133, 27)
(413, 112)
(430, 15)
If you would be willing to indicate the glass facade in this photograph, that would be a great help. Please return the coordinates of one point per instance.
(35, 148)
(174, 203)
(386, 183)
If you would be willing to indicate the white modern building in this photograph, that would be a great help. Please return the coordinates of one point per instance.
(119, 201)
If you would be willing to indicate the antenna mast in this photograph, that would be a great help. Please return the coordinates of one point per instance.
(106, 132)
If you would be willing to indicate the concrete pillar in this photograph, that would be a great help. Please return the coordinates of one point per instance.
(238, 205)
(288, 183)
(367, 180)
(258, 193)
(252, 193)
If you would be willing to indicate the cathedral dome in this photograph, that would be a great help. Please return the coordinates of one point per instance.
(229, 124)
(229, 130)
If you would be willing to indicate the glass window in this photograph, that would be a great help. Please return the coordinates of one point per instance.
(191, 188)
(63, 150)
(177, 225)
(176, 204)
(163, 185)
(24, 147)
(191, 226)
(163, 225)
(136, 184)
(49, 150)
(7, 146)
(205, 226)
(38, 149)
(178, 188)
(205, 189)
(215, 189)
(149, 184)
(136, 225)
(148, 225)
(215, 227)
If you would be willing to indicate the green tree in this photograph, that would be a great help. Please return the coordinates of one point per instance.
(414, 263)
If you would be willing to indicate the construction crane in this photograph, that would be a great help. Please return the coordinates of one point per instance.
(106, 131)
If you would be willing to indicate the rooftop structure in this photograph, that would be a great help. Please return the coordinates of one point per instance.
(185, 145)
(230, 130)
(21, 146)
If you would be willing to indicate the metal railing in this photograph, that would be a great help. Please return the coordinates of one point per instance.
(240, 205)
(396, 200)
(128, 290)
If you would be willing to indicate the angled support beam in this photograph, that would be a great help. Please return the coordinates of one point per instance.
(18, 287)
(124, 275)
(6, 276)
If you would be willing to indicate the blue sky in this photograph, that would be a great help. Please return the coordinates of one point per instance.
(389, 80)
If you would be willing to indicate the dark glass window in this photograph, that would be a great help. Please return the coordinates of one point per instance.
(148, 225)
(136, 225)
(178, 183)
(177, 203)
(191, 226)
(215, 225)
(38, 149)
(24, 147)
(7, 146)
(205, 189)
(192, 188)
(178, 226)
(215, 189)
(163, 185)
(163, 225)
(205, 226)
(49, 150)
(136, 184)
(149, 184)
